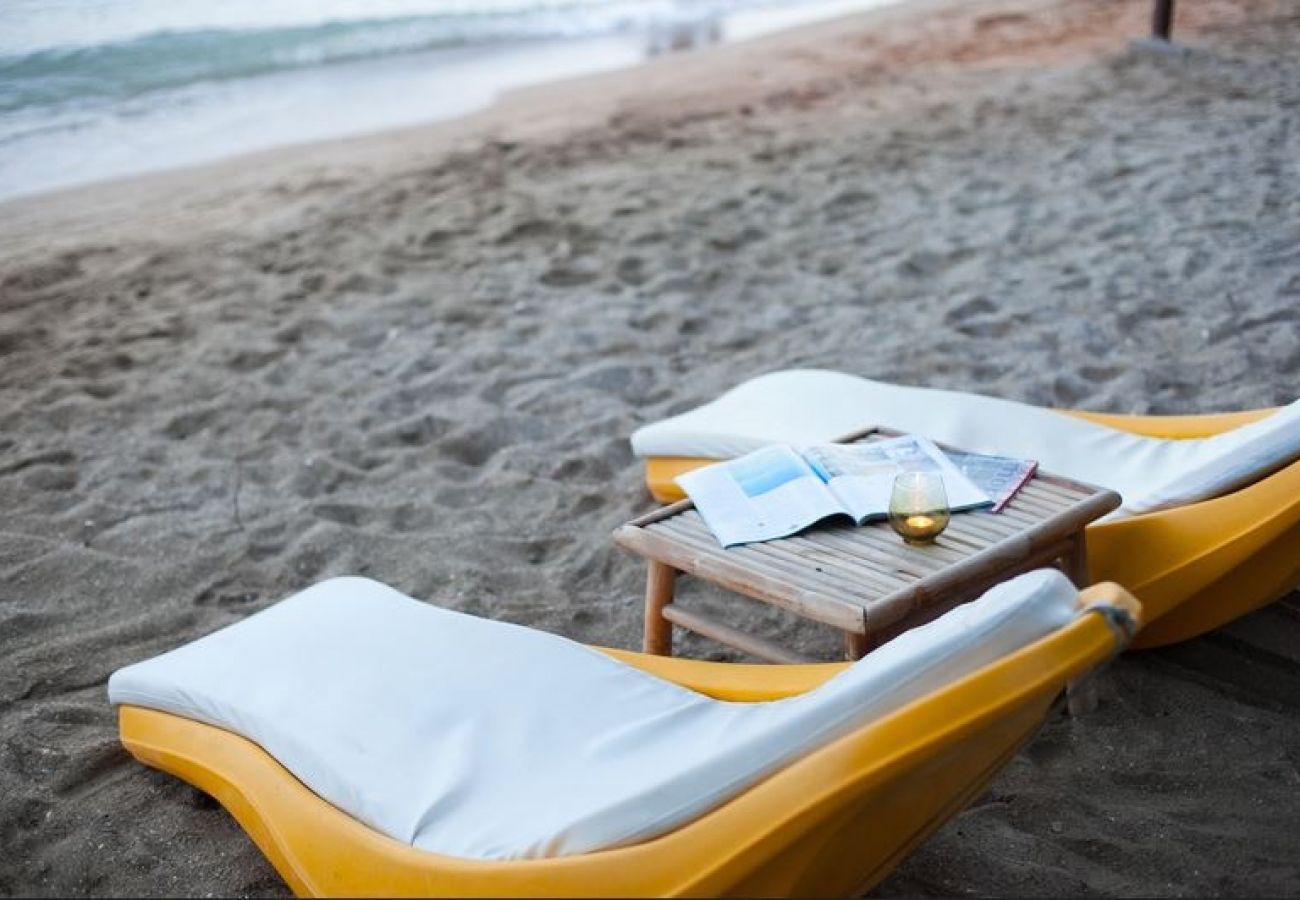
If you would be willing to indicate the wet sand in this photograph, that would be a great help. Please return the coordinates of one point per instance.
(418, 356)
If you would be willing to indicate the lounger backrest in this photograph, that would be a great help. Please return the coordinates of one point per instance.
(479, 739)
(811, 406)
(1225, 462)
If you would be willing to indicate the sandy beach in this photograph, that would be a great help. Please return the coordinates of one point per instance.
(418, 356)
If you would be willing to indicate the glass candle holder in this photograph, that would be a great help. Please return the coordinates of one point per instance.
(918, 507)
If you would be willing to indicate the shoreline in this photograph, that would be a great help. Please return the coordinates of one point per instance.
(454, 82)
(546, 111)
(419, 356)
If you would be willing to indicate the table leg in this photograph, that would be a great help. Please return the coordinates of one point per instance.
(855, 645)
(1162, 19)
(1074, 563)
(1080, 695)
(661, 581)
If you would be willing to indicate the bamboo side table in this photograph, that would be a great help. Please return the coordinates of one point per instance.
(862, 580)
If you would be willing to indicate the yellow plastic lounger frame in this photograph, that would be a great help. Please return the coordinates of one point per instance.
(835, 822)
(1194, 567)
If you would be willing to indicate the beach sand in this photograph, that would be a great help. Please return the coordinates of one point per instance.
(418, 357)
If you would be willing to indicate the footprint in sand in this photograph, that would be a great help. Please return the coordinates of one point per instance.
(929, 263)
(48, 458)
(318, 476)
(418, 431)
(628, 382)
(1100, 375)
(849, 203)
(91, 768)
(409, 517)
(731, 240)
(13, 341)
(252, 359)
(33, 279)
(188, 424)
(528, 230)
(348, 514)
(979, 317)
(1070, 389)
(570, 273)
(475, 446)
(632, 270)
(225, 594)
(51, 471)
(50, 479)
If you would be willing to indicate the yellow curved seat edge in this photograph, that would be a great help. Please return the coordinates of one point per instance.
(1195, 567)
(834, 822)
(1174, 427)
(744, 682)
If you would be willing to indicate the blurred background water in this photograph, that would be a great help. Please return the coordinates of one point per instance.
(95, 89)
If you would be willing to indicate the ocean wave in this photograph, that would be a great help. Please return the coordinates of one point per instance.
(173, 59)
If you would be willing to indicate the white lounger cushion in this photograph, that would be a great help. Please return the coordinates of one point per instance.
(806, 406)
(480, 739)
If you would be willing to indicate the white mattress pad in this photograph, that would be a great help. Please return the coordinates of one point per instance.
(809, 406)
(480, 739)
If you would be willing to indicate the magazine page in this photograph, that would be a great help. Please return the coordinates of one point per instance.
(1001, 477)
(766, 494)
(862, 475)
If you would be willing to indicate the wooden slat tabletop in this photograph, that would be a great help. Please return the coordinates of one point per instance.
(862, 579)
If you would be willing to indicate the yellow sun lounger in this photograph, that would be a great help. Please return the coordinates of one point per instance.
(489, 780)
(1211, 523)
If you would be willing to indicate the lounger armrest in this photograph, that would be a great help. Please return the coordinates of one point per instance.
(730, 681)
(1121, 609)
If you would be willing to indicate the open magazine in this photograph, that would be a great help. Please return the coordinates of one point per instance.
(1001, 477)
(778, 490)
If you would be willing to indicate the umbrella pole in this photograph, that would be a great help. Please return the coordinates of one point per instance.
(1162, 19)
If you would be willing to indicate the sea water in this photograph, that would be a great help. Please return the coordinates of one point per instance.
(97, 89)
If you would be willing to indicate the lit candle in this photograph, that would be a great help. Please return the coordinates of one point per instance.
(918, 507)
